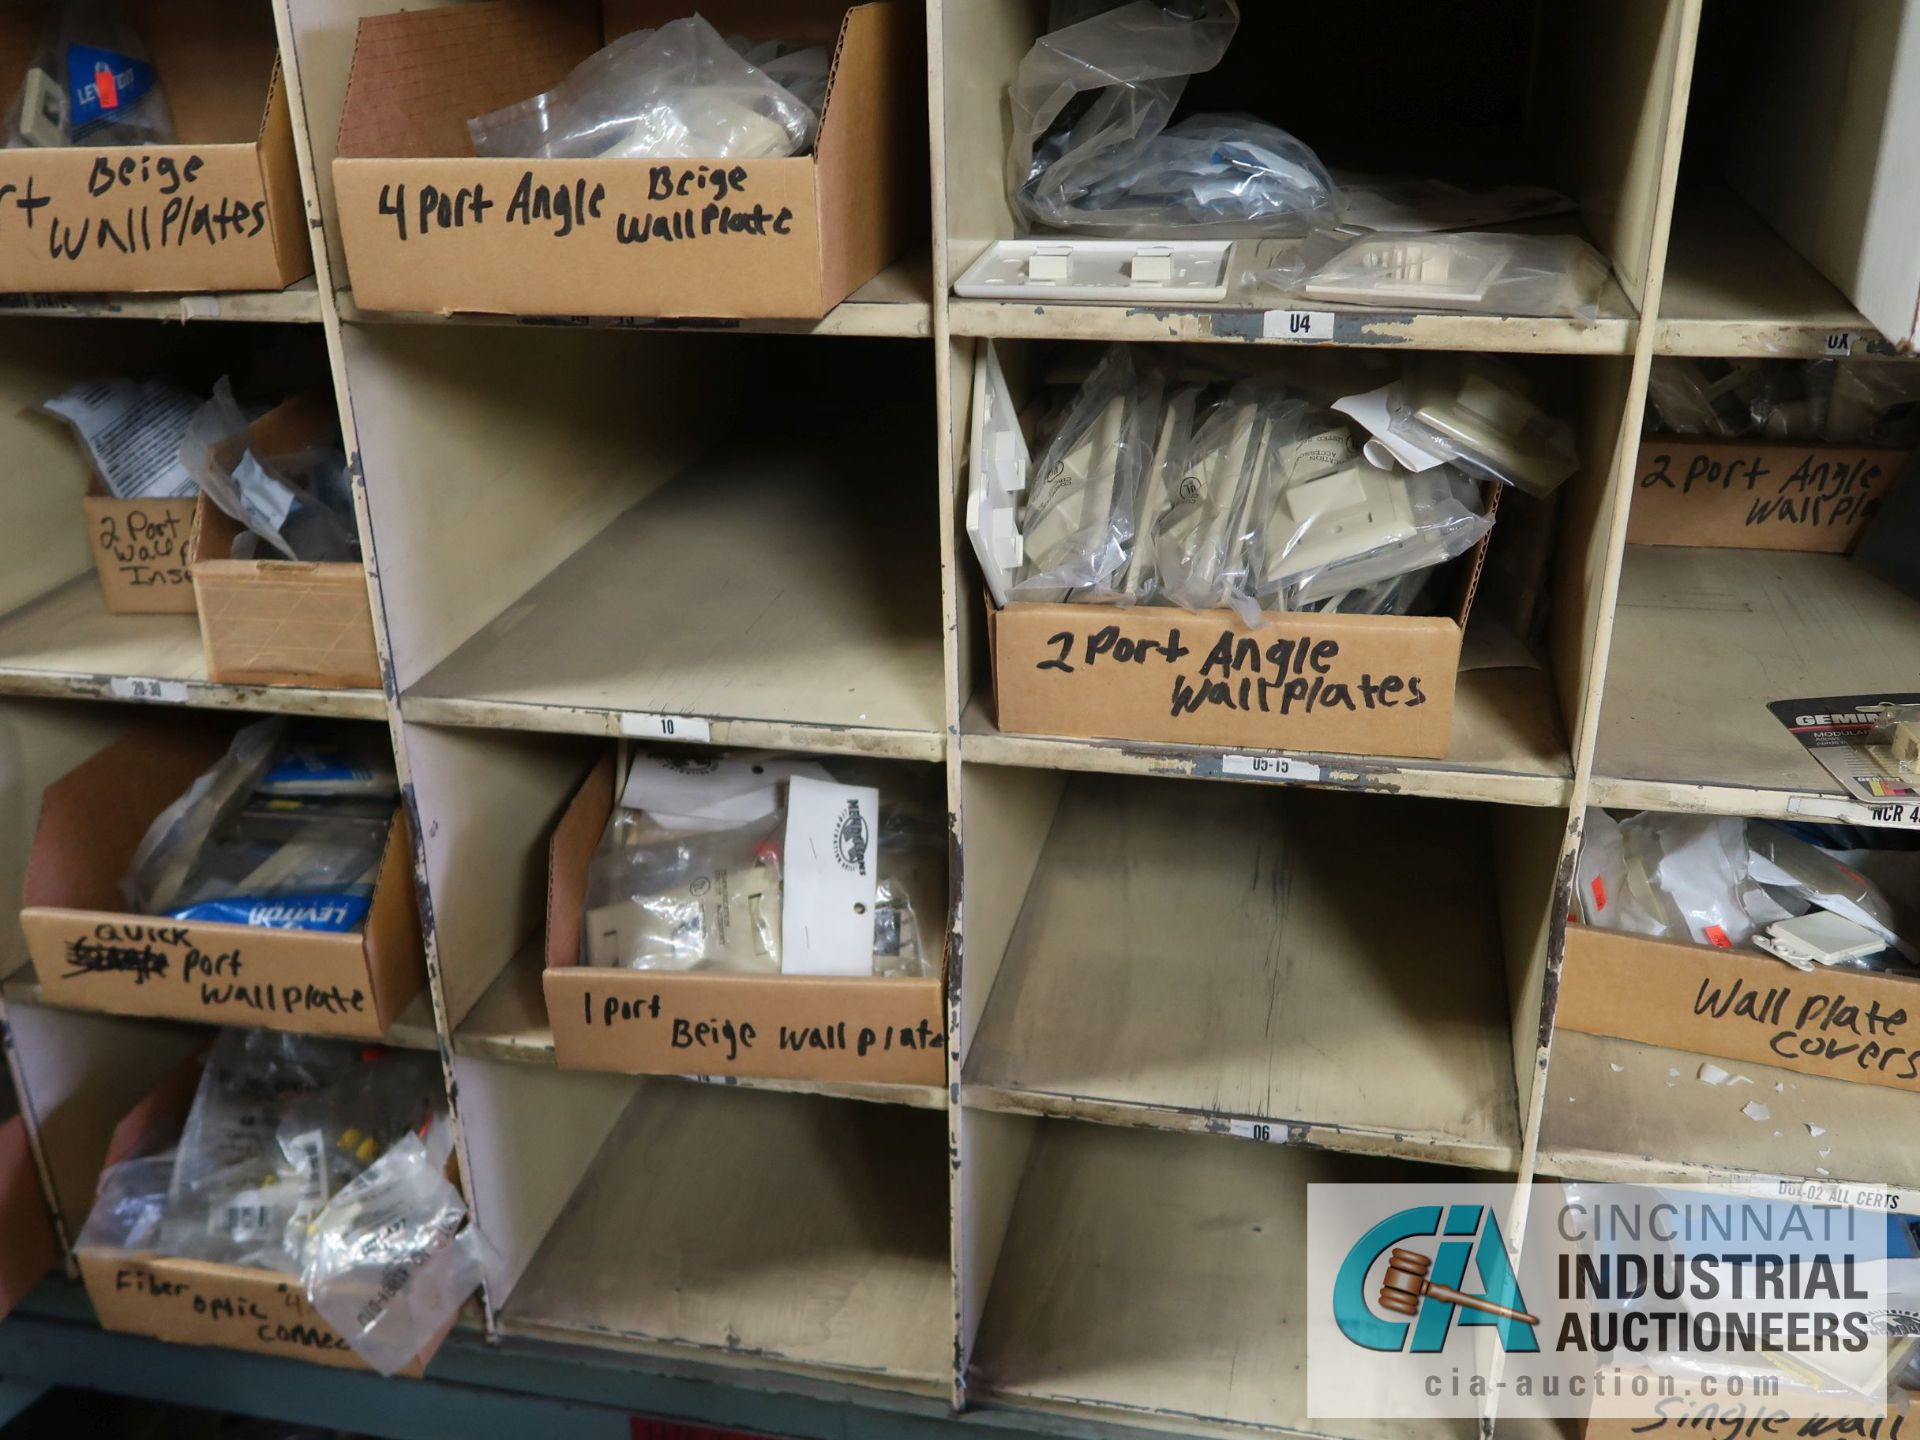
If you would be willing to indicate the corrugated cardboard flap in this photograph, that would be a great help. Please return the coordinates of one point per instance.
(92, 818)
(418, 76)
(568, 854)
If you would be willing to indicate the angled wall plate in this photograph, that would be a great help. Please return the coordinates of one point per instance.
(1123, 272)
(996, 476)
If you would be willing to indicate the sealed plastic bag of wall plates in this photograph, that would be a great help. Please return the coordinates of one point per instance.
(392, 1257)
(1093, 152)
(709, 900)
(131, 431)
(91, 83)
(1164, 486)
(173, 841)
(301, 504)
(1084, 489)
(1477, 415)
(1482, 272)
(680, 91)
(1601, 888)
(1801, 875)
(800, 70)
(1360, 526)
(1874, 404)
(1690, 872)
(1702, 397)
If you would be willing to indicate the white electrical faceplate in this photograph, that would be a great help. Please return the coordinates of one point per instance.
(1123, 272)
(996, 477)
(1443, 271)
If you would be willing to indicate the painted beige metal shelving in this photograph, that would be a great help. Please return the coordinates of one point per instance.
(575, 528)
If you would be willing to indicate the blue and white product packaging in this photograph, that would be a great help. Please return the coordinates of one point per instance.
(91, 83)
(287, 863)
(329, 770)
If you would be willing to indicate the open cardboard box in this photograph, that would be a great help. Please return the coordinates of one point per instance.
(200, 1302)
(1356, 684)
(140, 550)
(281, 622)
(27, 1246)
(429, 227)
(220, 209)
(1758, 494)
(781, 1027)
(89, 954)
(1859, 1025)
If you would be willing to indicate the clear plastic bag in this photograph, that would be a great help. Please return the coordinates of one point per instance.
(1702, 397)
(1084, 490)
(301, 503)
(680, 91)
(1690, 873)
(392, 1257)
(1093, 151)
(1478, 416)
(1605, 895)
(173, 841)
(801, 70)
(129, 1203)
(1360, 527)
(1873, 403)
(91, 83)
(684, 902)
(1802, 875)
(289, 863)
(1480, 272)
(1199, 543)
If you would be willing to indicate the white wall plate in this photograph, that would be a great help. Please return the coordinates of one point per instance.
(1120, 272)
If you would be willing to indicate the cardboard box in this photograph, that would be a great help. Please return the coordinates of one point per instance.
(220, 209)
(1857, 1025)
(428, 227)
(1354, 684)
(197, 1302)
(1758, 494)
(27, 1247)
(89, 954)
(781, 1027)
(140, 550)
(281, 622)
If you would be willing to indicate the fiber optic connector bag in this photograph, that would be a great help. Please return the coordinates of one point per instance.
(1481, 272)
(1479, 417)
(1690, 873)
(1801, 875)
(394, 1255)
(680, 91)
(301, 503)
(289, 863)
(1085, 487)
(684, 902)
(232, 1191)
(91, 83)
(167, 852)
(129, 1203)
(1360, 526)
(1093, 152)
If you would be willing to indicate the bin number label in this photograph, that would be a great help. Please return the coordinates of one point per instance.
(137, 687)
(666, 727)
(1263, 1131)
(1269, 767)
(1298, 325)
(1840, 342)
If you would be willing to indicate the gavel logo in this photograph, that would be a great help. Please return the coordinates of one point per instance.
(1406, 1283)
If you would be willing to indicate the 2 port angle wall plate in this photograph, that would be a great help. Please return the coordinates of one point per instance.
(996, 477)
(1114, 271)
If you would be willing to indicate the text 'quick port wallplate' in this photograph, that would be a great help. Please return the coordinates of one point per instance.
(1118, 272)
